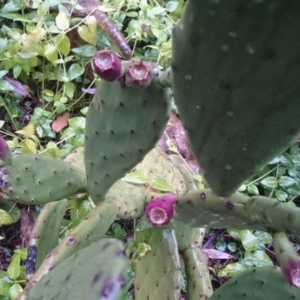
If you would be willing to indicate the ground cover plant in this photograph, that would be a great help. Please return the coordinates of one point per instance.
(98, 170)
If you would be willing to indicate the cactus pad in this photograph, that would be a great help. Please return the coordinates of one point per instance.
(235, 69)
(38, 179)
(45, 234)
(257, 284)
(96, 272)
(122, 125)
(158, 271)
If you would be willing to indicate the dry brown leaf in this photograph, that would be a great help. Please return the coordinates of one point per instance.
(60, 122)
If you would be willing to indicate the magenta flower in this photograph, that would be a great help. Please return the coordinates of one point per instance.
(159, 211)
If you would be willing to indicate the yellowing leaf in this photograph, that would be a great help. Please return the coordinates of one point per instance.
(143, 248)
(64, 46)
(137, 177)
(50, 52)
(31, 145)
(62, 21)
(29, 129)
(85, 33)
(92, 24)
(161, 185)
(5, 218)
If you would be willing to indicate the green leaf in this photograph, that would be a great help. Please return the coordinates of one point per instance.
(157, 10)
(269, 182)
(258, 258)
(116, 231)
(5, 218)
(264, 237)
(281, 195)
(88, 36)
(75, 71)
(285, 181)
(86, 51)
(22, 252)
(50, 52)
(77, 123)
(5, 86)
(242, 188)
(15, 291)
(12, 6)
(235, 233)
(3, 73)
(137, 177)
(4, 288)
(232, 270)
(232, 247)
(69, 89)
(249, 240)
(13, 270)
(63, 44)
(252, 189)
(78, 213)
(161, 185)
(172, 6)
(220, 244)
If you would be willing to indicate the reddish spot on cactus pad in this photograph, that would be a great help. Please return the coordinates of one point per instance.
(160, 210)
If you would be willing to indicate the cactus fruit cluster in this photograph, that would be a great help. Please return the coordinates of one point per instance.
(234, 75)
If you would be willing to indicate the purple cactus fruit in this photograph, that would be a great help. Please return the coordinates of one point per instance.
(5, 153)
(291, 272)
(159, 211)
(138, 74)
(107, 65)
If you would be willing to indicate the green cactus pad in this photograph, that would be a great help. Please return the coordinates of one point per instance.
(45, 234)
(203, 208)
(197, 274)
(157, 165)
(76, 158)
(122, 125)
(235, 68)
(39, 179)
(96, 272)
(195, 263)
(130, 199)
(257, 284)
(273, 214)
(158, 271)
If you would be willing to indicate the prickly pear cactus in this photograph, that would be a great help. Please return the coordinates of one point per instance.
(235, 68)
(122, 125)
(38, 179)
(158, 271)
(45, 234)
(195, 263)
(257, 284)
(96, 272)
